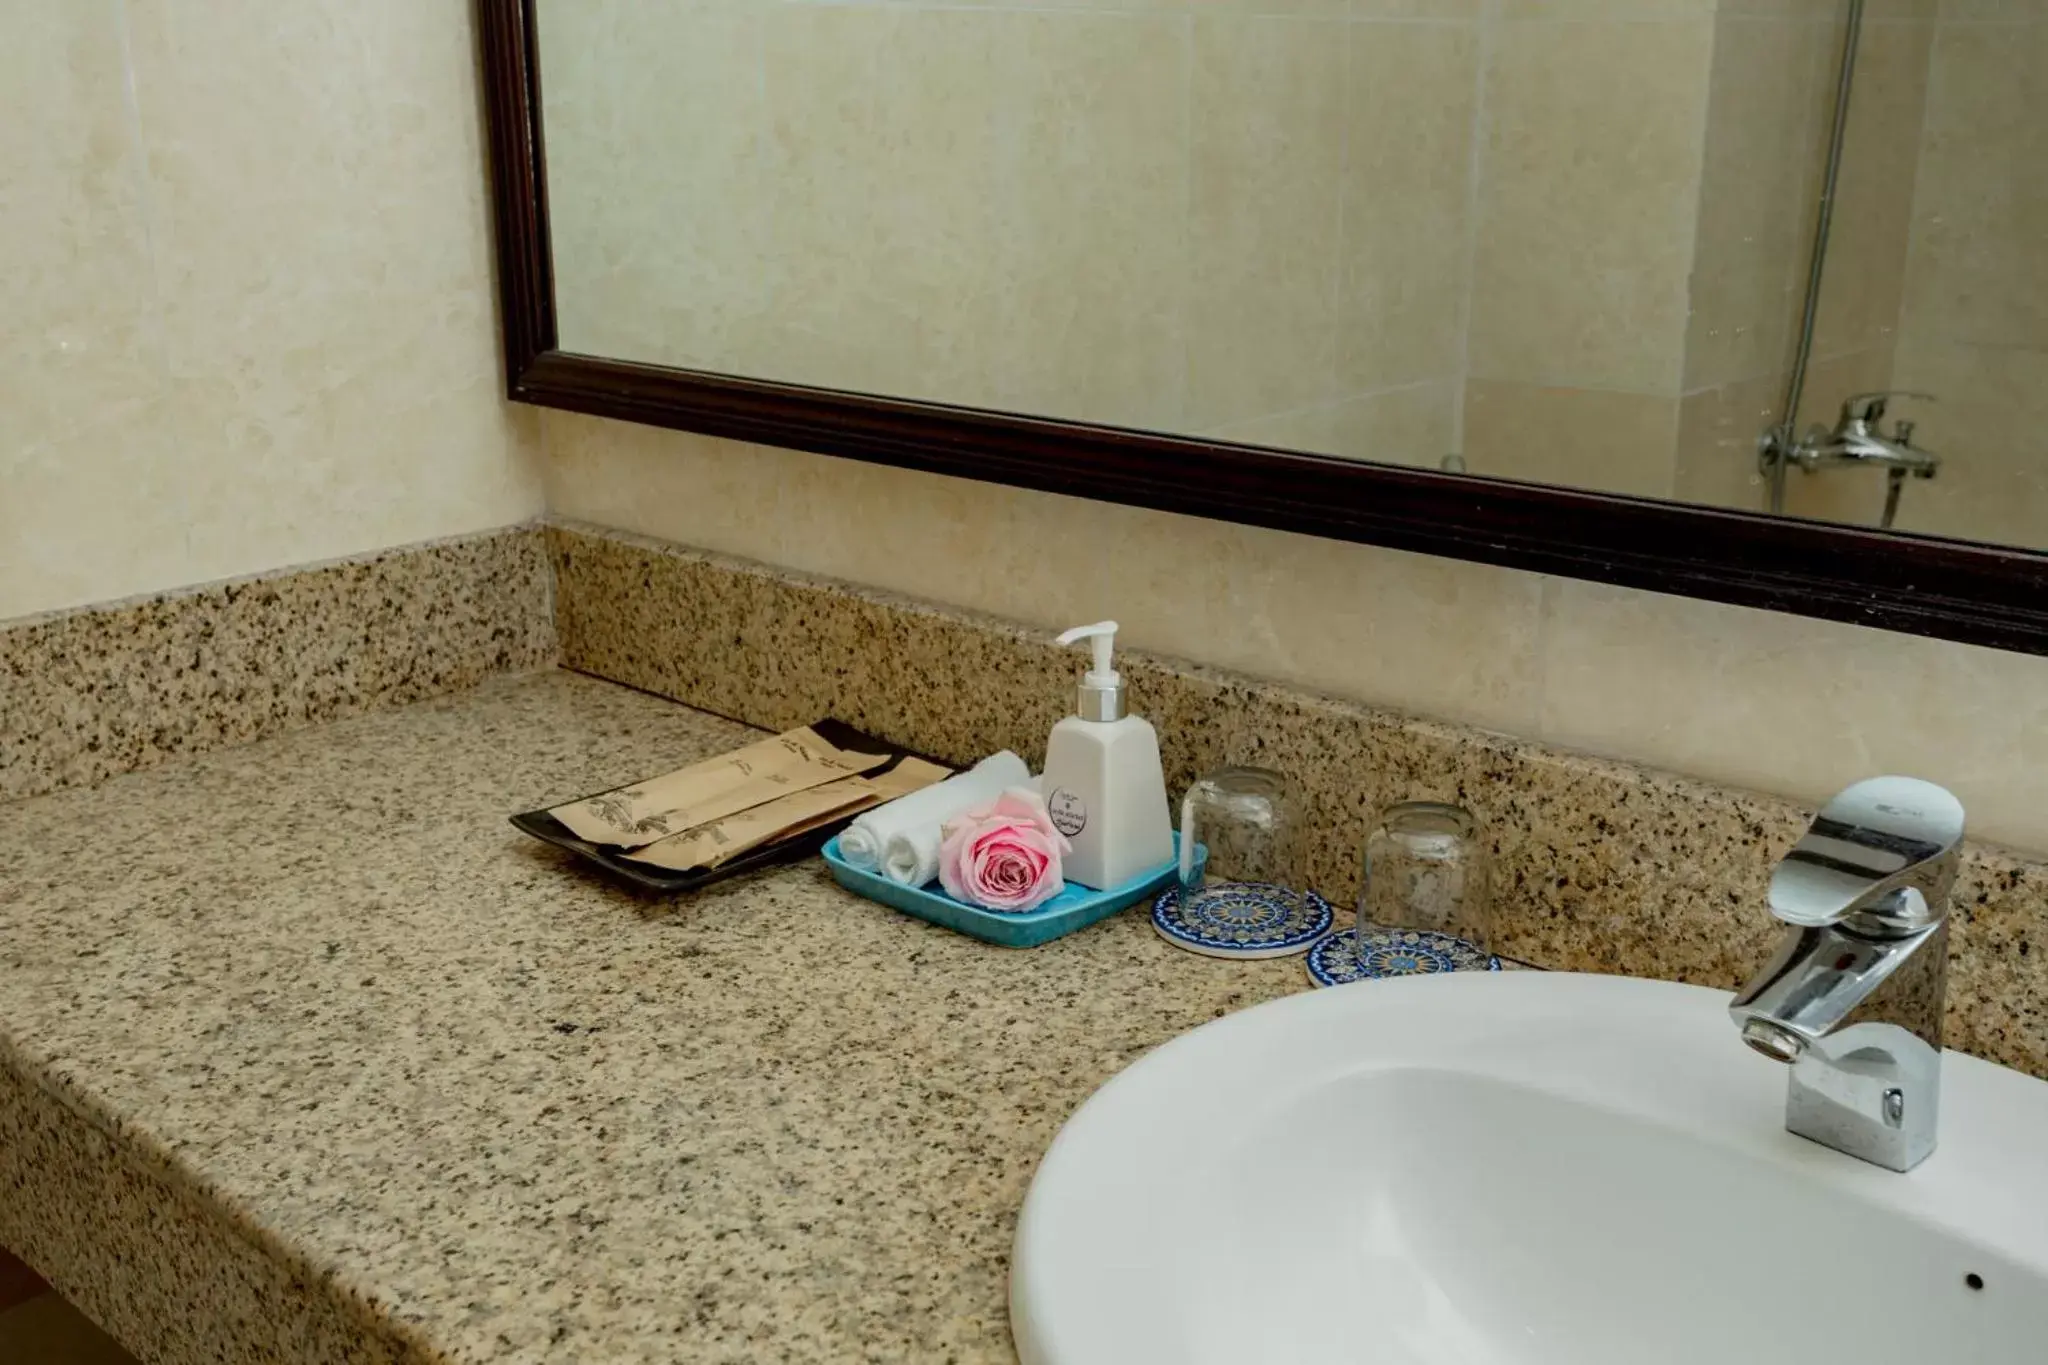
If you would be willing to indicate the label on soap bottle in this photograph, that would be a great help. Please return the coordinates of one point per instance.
(1069, 812)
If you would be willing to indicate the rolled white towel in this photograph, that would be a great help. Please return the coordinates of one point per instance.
(901, 840)
(912, 855)
(859, 846)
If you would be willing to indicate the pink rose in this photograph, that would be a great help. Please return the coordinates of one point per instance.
(1005, 855)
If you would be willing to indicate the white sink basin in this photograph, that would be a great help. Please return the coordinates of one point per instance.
(1513, 1168)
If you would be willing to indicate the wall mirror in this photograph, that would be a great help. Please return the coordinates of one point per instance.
(1745, 299)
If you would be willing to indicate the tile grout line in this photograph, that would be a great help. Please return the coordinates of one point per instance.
(1914, 219)
(1182, 398)
(1475, 183)
(1340, 258)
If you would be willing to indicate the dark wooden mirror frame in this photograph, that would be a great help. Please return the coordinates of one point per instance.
(1923, 585)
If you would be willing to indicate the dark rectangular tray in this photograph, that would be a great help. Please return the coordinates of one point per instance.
(647, 877)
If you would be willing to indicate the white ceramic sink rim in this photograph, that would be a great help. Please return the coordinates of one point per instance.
(1121, 1179)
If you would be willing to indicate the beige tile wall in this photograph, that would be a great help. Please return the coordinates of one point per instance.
(1589, 185)
(1636, 302)
(1715, 459)
(1937, 277)
(1611, 439)
(1931, 249)
(1245, 219)
(1974, 328)
(1589, 176)
(246, 311)
(1769, 103)
(1866, 263)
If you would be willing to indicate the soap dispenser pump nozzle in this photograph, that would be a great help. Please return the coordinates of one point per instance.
(1101, 694)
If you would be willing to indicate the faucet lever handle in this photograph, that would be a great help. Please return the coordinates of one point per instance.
(1869, 407)
(1880, 855)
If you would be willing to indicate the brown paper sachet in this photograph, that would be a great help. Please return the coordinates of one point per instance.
(637, 815)
(719, 842)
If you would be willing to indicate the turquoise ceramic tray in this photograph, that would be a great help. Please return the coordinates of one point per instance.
(1074, 908)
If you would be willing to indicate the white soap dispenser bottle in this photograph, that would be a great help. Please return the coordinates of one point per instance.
(1103, 784)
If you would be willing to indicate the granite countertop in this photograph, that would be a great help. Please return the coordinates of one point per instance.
(511, 1113)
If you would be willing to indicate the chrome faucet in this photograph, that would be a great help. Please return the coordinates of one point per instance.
(1853, 998)
(1858, 439)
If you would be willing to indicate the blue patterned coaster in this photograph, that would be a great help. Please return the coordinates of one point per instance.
(1392, 952)
(1242, 919)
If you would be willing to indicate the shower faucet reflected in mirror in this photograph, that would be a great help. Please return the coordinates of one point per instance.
(1857, 441)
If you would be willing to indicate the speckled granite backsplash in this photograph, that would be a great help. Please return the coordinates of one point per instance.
(102, 690)
(1600, 866)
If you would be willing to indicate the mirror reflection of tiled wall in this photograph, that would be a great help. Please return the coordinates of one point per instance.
(1938, 273)
(1567, 239)
(1559, 236)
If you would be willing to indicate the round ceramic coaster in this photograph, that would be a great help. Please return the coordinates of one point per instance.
(1392, 952)
(1242, 919)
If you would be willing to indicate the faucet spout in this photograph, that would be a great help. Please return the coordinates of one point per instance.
(1768, 1038)
(1822, 979)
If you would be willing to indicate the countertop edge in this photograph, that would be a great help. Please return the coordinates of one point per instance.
(125, 1230)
